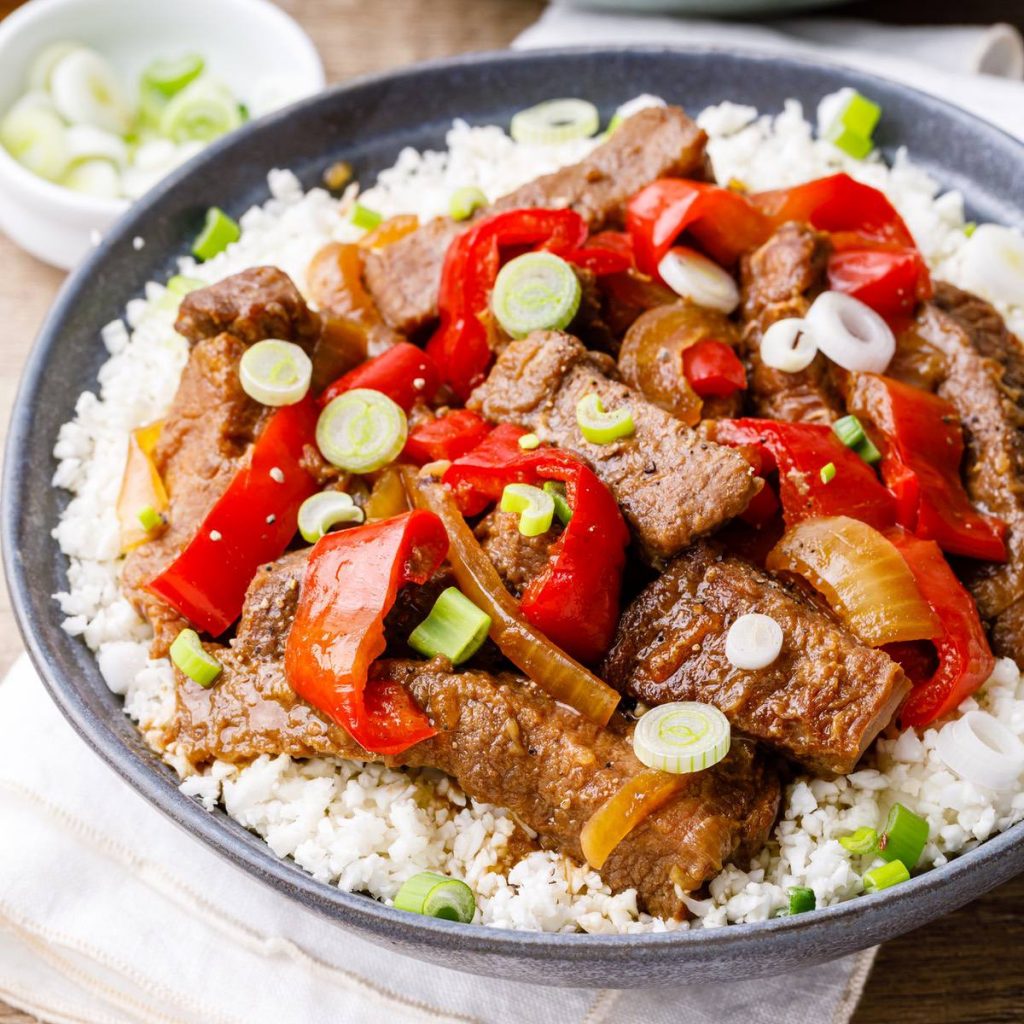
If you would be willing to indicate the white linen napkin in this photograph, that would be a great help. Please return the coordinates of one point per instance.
(109, 914)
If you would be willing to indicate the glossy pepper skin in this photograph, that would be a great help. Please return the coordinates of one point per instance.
(405, 373)
(965, 660)
(352, 579)
(446, 438)
(575, 600)
(922, 449)
(251, 524)
(713, 369)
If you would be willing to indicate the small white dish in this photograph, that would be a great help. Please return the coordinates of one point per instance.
(252, 44)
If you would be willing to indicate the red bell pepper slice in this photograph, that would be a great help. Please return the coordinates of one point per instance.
(447, 437)
(405, 373)
(250, 524)
(725, 224)
(799, 451)
(965, 660)
(351, 581)
(923, 449)
(575, 600)
(713, 369)
(890, 281)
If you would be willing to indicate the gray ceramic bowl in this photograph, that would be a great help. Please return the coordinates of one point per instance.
(367, 122)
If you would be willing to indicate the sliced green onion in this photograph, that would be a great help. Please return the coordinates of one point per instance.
(201, 112)
(171, 75)
(613, 124)
(181, 285)
(275, 372)
(188, 653)
(40, 71)
(536, 508)
(904, 837)
(600, 427)
(861, 842)
(827, 472)
(436, 895)
(36, 137)
(868, 452)
(529, 442)
(150, 519)
(848, 120)
(801, 899)
(555, 121)
(537, 291)
(557, 491)
(682, 737)
(970, 227)
(93, 178)
(365, 218)
(851, 432)
(218, 233)
(361, 431)
(885, 876)
(852, 144)
(318, 513)
(87, 90)
(455, 628)
(465, 201)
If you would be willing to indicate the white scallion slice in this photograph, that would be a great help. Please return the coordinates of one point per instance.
(40, 71)
(993, 263)
(555, 121)
(693, 276)
(188, 653)
(361, 431)
(275, 372)
(851, 333)
(202, 111)
(37, 139)
(753, 641)
(535, 508)
(682, 737)
(97, 178)
(86, 142)
(537, 291)
(788, 345)
(86, 90)
(320, 512)
(981, 750)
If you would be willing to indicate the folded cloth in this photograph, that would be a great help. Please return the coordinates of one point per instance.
(942, 61)
(109, 914)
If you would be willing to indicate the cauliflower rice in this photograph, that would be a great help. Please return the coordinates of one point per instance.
(367, 828)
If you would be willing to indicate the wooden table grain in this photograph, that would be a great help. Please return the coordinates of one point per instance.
(965, 969)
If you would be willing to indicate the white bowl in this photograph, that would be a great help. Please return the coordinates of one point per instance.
(246, 42)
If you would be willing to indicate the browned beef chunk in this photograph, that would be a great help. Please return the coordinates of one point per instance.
(518, 559)
(404, 278)
(984, 379)
(780, 280)
(258, 303)
(672, 485)
(501, 738)
(822, 701)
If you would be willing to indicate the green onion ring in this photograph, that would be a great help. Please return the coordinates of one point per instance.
(275, 372)
(600, 427)
(188, 653)
(536, 508)
(555, 121)
(361, 431)
(682, 737)
(437, 895)
(537, 291)
(319, 512)
(465, 201)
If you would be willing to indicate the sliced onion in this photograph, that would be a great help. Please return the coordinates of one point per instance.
(851, 333)
(862, 576)
(788, 345)
(982, 751)
(754, 641)
(693, 276)
(682, 737)
(994, 263)
(275, 372)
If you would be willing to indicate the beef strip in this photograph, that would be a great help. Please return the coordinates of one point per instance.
(500, 737)
(518, 559)
(404, 278)
(672, 485)
(258, 303)
(821, 702)
(780, 280)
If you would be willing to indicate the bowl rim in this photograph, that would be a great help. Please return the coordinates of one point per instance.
(378, 922)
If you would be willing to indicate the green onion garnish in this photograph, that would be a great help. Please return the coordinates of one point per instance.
(600, 427)
(536, 508)
(853, 123)
(861, 842)
(851, 432)
(537, 291)
(904, 837)
(365, 218)
(319, 512)
(970, 227)
(361, 431)
(218, 233)
(465, 201)
(613, 124)
(171, 75)
(180, 285)
(275, 372)
(801, 899)
(557, 491)
(436, 895)
(868, 452)
(886, 875)
(555, 121)
(201, 112)
(188, 653)
(150, 519)
(529, 442)
(827, 472)
(682, 737)
(455, 628)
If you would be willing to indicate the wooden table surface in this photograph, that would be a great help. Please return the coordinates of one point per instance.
(965, 969)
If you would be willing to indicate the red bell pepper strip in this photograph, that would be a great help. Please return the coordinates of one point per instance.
(799, 451)
(965, 660)
(249, 525)
(447, 437)
(575, 600)
(725, 224)
(922, 451)
(890, 281)
(351, 581)
(404, 373)
(713, 369)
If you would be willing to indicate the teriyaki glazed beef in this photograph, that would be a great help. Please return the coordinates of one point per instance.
(576, 532)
